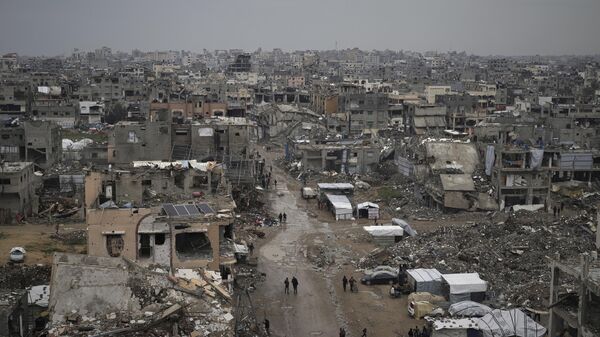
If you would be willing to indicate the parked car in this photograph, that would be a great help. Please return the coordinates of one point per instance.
(381, 268)
(17, 254)
(380, 277)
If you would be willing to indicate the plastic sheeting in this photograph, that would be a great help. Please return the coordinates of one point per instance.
(537, 155)
(465, 283)
(490, 157)
(469, 309)
(407, 228)
(425, 280)
(506, 323)
(384, 230)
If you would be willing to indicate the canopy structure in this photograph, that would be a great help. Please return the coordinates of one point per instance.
(465, 283)
(407, 228)
(342, 207)
(367, 210)
(384, 230)
(427, 280)
(507, 323)
(469, 309)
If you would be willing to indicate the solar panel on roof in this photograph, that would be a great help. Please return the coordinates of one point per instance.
(181, 211)
(206, 209)
(192, 209)
(170, 209)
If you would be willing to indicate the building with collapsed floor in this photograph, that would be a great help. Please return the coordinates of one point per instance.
(575, 312)
(354, 156)
(193, 235)
(18, 187)
(31, 141)
(146, 183)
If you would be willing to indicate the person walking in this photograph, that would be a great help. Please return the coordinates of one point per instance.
(342, 332)
(267, 326)
(410, 332)
(284, 217)
(364, 333)
(345, 284)
(280, 217)
(352, 282)
(251, 248)
(295, 284)
(287, 285)
(554, 211)
(275, 182)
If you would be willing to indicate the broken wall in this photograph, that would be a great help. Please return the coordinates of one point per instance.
(113, 232)
(89, 284)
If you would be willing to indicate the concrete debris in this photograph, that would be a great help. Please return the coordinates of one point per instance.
(512, 256)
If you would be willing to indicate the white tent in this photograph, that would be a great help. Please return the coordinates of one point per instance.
(372, 210)
(469, 309)
(453, 327)
(384, 230)
(463, 287)
(425, 280)
(342, 207)
(507, 323)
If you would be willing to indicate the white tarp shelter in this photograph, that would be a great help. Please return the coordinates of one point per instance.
(367, 210)
(453, 327)
(464, 287)
(341, 206)
(407, 228)
(384, 230)
(468, 309)
(425, 280)
(508, 323)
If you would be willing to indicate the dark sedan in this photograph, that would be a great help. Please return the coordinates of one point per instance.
(380, 277)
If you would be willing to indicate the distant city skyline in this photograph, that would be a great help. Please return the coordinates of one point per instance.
(482, 27)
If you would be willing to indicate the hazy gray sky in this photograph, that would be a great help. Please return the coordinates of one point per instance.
(507, 27)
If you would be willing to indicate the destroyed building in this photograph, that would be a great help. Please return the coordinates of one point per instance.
(146, 183)
(31, 141)
(101, 295)
(575, 312)
(18, 188)
(15, 318)
(353, 156)
(174, 236)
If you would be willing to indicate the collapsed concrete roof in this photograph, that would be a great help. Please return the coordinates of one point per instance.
(453, 155)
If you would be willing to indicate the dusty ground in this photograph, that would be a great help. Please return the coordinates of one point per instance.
(37, 241)
(321, 306)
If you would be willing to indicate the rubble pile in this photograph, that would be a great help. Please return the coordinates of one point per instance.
(78, 237)
(193, 303)
(511, 256)
(23, 276)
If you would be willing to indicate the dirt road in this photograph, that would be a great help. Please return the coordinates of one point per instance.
(321, 307)
(312, 312)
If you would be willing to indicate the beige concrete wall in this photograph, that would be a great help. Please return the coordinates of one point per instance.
(118, 220)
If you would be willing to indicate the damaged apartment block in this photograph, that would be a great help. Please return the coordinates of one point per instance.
(172, 236)
(31, 141)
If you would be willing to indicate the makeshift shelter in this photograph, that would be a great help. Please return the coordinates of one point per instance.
(465, 327)
(385, 235)
(425, 280)
(508, 323)
(407, 228)
(367, 210)
(340, 206)
(464, 287)
(336, 188)
(468, 309)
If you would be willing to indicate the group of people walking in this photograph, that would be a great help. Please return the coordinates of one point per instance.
(351, 282)
(282, 217)
(286, 283)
